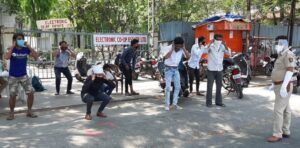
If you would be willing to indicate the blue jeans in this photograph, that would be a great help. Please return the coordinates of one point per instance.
(172, 73)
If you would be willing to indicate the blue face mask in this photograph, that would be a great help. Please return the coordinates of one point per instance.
(21, 43)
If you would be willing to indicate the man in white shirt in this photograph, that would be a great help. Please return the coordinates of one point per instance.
(216, 50)
(196, 54)
(172, 59)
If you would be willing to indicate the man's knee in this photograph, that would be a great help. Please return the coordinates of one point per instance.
(88, 98)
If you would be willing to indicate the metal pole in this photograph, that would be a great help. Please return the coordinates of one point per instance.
(292, 18)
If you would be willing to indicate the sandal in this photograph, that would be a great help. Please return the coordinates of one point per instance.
(88, 117)
(11, 116)
(31, 115)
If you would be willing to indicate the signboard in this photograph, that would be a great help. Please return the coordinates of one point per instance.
(54, 23)
(118, 39)
(237, 26)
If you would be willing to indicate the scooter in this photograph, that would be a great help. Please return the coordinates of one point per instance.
(268, 64)
(232, 81)
(148, 67)
(242, 60)
(82, 67)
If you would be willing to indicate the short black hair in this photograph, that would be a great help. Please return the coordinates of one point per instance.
(62, 42)
(18, 34)
(106, 66)
(201, 39)
(134, 41)
(178, 40)
(218, 36)
(281, 37)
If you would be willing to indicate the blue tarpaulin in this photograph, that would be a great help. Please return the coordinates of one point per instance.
(227, 17)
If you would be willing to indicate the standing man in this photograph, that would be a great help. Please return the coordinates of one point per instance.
(194, 72)
(216, 50)
(18, 55)
(62, 56)
(172, 59)
(128, 61)
(283, 87)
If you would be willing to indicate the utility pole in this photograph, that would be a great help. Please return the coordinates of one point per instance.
(292, 21)
(249, 18)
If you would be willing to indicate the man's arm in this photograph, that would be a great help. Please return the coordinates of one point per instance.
(226, 51)
(7, 55)
(168, 55)
(123, 58)
(187, 55)
(33, 53)
(55, 53)
(72, 53)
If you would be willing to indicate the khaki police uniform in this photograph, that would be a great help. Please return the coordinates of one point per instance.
(282, 110)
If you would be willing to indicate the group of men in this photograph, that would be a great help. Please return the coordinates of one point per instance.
(173, 57)
(99, 85)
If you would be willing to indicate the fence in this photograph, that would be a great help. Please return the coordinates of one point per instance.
(45, 42)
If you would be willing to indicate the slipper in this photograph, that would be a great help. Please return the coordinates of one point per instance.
(31, 115)
(11, 116)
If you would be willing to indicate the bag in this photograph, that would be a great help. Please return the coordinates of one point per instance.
(37, 84)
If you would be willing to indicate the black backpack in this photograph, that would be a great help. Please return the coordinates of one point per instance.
(37, 84)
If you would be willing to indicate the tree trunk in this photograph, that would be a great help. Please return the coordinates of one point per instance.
(33, 19)
(274, 17)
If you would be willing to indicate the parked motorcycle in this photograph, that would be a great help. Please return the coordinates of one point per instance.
(232, 78)
(268, 64)
(242, 60)
(296, 75)
(82, 67)
(148, 67)
(42, 62)
(203, 69)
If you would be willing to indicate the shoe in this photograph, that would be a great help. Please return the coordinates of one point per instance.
(56, 94)
(209, 105)
(167, 108)
(177, 107)
(70, 93)
(102, 115)
(199, 94)
(273, 139)
(127, 94)
(88, 117)
(286, 136)
(134, 93)
(221, 105)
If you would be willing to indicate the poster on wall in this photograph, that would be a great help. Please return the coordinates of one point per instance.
(118, 39)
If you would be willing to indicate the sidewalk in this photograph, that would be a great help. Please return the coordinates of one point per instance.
(146, 87)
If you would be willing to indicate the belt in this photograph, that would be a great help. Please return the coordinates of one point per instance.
(171, 66)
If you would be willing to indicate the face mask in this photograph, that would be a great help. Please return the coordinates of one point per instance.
(218, 43)
(63, 48)
(21, 43)
(279, 48)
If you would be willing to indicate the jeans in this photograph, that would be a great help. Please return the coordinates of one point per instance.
(110, 87)
(128, 78)
(194, 73)
(68, 75)
(170, 74)
(211, 77)
(89, 99)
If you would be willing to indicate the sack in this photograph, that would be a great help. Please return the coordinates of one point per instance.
(37, 84)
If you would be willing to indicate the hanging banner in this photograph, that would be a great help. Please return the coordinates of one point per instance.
(118, 39)
(54, 23)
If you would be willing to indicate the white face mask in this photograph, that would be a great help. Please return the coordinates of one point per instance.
(279, 48)
(218, 43)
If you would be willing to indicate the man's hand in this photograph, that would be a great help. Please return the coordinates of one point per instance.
(271, 87)
(126, 67)
(28, 45)
(283, 92)
(93, 77)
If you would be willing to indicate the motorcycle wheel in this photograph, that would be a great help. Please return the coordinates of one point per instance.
(239, 91)
(268, 69)
(226, 82)
(135, 76)
(202, 73)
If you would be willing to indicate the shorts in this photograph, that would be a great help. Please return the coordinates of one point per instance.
(24, 81)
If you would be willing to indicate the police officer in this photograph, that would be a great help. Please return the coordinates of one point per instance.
(282, 86)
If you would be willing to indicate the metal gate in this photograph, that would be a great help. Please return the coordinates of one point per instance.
(45, 42)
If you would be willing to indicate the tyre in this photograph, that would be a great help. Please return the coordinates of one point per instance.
(268, 69)
(135, 76)
(226, 82)
(295, 89)
(239, 91)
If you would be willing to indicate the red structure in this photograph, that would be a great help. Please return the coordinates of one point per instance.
(232, 27)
